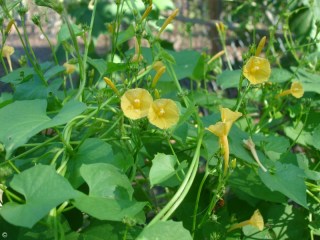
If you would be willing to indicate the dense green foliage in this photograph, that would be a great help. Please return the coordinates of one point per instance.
(152, 143)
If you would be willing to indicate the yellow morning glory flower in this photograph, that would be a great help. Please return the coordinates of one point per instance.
(222, 129)
(295, 90)
(135, 103)
(256, 220)
(257, 70)
(163, 113)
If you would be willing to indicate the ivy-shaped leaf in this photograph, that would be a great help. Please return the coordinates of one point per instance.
(110, 195)
(21, 120)
(287, 179)
(43, 190)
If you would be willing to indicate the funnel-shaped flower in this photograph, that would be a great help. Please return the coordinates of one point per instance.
(295, 90)
(256, 220)
(7, 51)
(222, 129)
(135, 103)
(70, 68)
(164, 113)
(257, 70)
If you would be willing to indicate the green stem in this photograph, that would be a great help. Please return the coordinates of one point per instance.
(86, 50)
(184, 188)
(31, 150)
(50, 45)
(79, 57)
(195, 211)
(239, 101)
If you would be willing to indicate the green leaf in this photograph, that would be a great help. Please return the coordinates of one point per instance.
(64, 34)
(43, 190)
(274, 146)
(316, 137)
(110, 194)
(301, 21)
(53, 71)
(114, 67)
(94, 150)
(199, 70)
(229, 79)
(254, 233)
(247, 181)
(287, 222)
(310, 81)
(98, 64)
(125, 35)
(163, 4)
(98, 230)
(287, 179)
(15, 76)
(168, 230)
(21, 120)
(280, 75)
(163, 170)
(305, 138)
(183, 62)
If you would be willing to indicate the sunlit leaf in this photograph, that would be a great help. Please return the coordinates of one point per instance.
(168, 230)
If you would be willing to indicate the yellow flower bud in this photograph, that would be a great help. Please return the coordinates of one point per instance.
(159, 73)
(216, 56)
(70, 68)
(168, 20)
(111, 85)
(146, 13)
(261, 45)
(7, 51)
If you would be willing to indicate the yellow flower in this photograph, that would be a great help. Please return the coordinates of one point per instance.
(295, 90)
(164, 113)
(7, 51)
(222, 129)
(70, 68)
(256, 220)
(135, 103)
(257, 70)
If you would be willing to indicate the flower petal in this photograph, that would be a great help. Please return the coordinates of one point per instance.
(228, 115)
(163, 113)
(257, 70)
(135, 103)
(297, 89)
